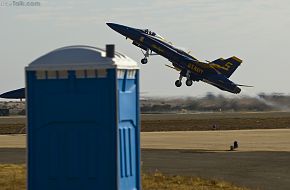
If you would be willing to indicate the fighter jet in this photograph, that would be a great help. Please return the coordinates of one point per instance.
(215, 72)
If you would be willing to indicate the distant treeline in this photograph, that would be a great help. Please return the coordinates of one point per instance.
(13, 107)
(208, 103)
(213, 103)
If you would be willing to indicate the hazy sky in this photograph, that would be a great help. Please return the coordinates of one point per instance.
(257, 31)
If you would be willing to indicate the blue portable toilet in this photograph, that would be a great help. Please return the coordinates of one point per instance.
(83, 120)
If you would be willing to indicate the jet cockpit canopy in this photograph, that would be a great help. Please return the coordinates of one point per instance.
(151, 33)
(147, 31)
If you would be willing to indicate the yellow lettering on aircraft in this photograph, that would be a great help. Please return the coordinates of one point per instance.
(226, 67)
(142, 39)
(157, 48)
(195, 69)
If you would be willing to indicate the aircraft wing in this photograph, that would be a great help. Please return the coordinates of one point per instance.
(14, 94)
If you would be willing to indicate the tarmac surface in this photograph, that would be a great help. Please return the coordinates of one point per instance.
(262, 160)
(255, 170)
(215, 141)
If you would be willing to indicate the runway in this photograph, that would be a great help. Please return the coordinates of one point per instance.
(13, 141)
(248, 140)
(255, 170)
(262, 160)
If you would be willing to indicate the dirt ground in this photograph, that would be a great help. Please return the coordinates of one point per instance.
(222, 120)
(185, 122)
(12, 124)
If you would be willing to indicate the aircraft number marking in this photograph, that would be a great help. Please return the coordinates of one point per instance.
(227, 66)
(195, 69)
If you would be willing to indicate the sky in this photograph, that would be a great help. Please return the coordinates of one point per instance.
(256, 31)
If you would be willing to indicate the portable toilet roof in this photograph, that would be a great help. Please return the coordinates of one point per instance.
(81, 57)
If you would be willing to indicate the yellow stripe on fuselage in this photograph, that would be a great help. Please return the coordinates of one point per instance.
(159, 49)
(142, 39)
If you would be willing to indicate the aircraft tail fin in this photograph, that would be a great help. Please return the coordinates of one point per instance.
(226, 66)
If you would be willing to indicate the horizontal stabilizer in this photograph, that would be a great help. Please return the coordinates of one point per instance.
(242, 85)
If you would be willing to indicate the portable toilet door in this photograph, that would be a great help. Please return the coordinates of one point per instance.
(129, 145)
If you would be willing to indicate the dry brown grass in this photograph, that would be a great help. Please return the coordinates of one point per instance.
(224, 121)
(158, 181)
(13, 177)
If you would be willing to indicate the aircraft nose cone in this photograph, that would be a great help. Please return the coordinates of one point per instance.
(128, 32)
(124, 30)
(112, 25)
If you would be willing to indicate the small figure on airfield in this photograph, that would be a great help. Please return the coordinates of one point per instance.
(214, 127)
(235, 146)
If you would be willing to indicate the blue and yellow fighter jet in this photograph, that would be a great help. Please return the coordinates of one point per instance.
(215, 72)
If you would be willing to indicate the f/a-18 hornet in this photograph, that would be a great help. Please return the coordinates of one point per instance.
(215, 72)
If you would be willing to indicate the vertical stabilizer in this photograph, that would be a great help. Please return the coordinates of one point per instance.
(226, 66)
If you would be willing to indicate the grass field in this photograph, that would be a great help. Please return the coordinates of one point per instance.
(13, 177)
(186, 122)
